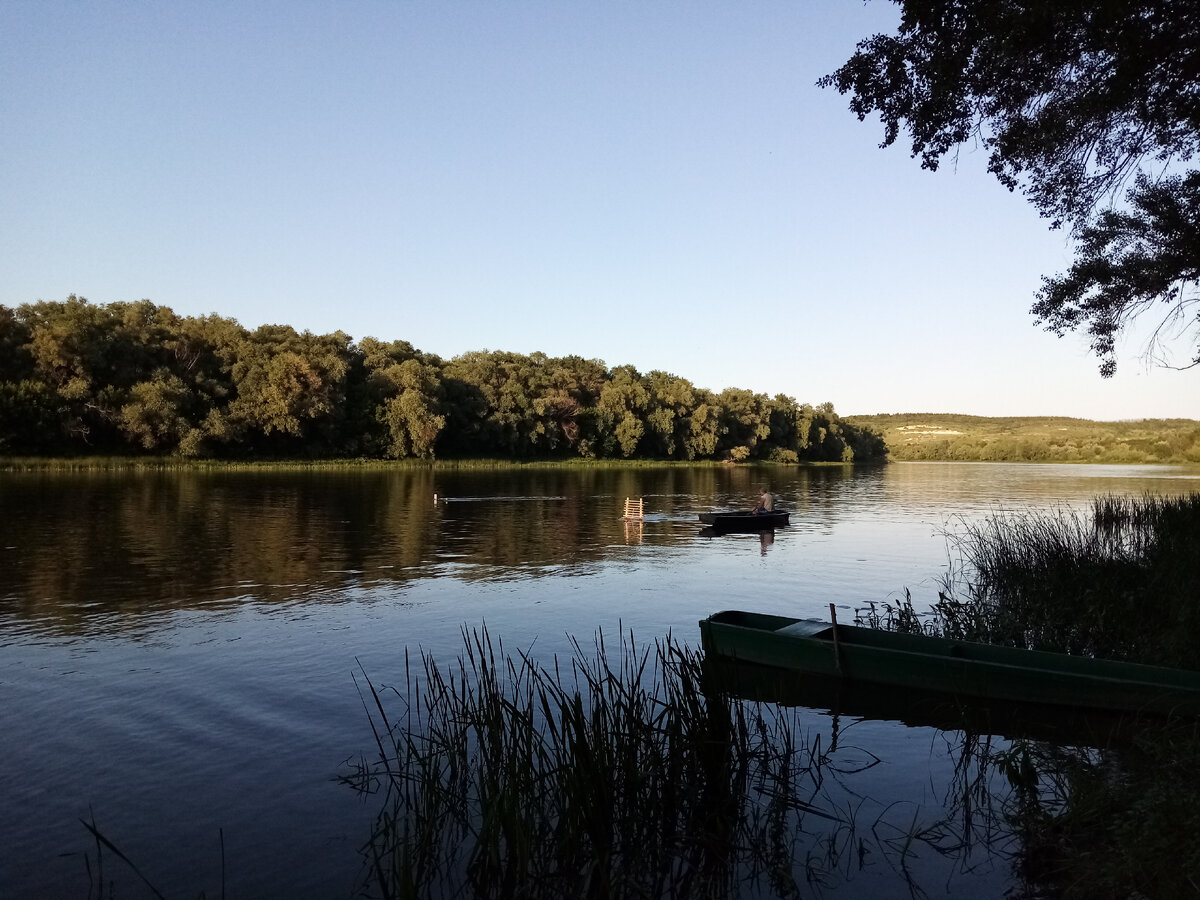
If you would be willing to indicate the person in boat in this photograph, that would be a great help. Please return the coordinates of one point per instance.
(766, 503)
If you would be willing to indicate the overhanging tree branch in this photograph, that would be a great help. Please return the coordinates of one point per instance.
(1076, 102)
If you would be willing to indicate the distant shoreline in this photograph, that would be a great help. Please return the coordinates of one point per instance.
(910, 437)
(949, 437)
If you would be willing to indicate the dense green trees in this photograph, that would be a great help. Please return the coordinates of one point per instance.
(135, 377)
(1076, 102)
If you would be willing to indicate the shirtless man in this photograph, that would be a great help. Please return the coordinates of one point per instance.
(766, 503)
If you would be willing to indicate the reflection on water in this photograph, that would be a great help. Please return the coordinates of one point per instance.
(81, 546)
(765, 540)
(176, 648)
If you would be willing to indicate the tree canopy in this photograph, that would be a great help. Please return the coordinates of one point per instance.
(135, 377)
(1092, 109)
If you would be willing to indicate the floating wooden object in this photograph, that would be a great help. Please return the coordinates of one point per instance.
(633, 508)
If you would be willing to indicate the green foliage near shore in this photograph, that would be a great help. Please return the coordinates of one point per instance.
(948, 437)
(134, 378)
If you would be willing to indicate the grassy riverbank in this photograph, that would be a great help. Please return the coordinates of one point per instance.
(179, 464)
(947, 437)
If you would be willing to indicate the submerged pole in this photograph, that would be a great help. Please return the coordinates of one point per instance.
(837, 644)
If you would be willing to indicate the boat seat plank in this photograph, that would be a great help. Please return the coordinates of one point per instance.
(807, 628)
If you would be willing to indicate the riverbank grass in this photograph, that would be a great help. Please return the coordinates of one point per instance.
(181, 464)
(1119, 580)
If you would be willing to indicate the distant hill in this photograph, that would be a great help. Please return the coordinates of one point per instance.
(944, 436)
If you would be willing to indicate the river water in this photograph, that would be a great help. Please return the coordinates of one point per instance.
(177, 649)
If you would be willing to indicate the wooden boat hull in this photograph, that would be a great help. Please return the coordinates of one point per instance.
(958, 668)
(744, 521)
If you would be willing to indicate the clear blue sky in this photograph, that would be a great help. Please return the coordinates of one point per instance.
(659, 184)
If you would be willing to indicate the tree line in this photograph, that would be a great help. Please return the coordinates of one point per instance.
(78, 377)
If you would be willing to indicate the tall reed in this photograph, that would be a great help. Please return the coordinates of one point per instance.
(621, 773)
(508, 779)
(1120, 580)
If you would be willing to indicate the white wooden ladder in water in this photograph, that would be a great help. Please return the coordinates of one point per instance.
(633, 508)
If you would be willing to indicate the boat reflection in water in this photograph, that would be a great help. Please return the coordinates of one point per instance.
(845, 698)
(766, 537)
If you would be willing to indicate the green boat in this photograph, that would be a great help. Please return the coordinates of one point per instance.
(956, 668)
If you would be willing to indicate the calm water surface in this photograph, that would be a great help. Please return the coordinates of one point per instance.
(176, 649)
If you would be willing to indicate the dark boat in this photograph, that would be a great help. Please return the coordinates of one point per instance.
(956, 668)
(744, 521)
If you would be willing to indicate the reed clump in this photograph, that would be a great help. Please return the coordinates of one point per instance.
(618, 774)
(1118, 580)
(505, 778)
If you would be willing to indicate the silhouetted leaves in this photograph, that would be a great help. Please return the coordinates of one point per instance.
(1072, 101)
